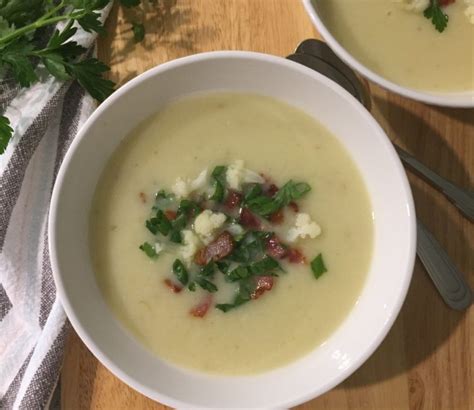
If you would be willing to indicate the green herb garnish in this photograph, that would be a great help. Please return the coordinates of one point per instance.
(192, 286)
(238, 273)
(206, 284)
(23, 22)
(219, 181)
(188, 208)
(149, 250)
(265, 266)
(435, 13)
(160, 223)
(318, 267)
(208, 270)
(246, 287)
(180, 271)
(264, 205)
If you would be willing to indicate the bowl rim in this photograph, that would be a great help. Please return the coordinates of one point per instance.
(457, 101)
(88, 338)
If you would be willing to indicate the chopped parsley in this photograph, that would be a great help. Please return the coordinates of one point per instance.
(149, 250)
(181, 272)
(318, 267)
(438, 17)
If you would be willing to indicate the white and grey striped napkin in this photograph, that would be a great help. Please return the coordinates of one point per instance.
(33, 325)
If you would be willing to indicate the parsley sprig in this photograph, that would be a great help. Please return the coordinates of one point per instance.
(437, 16)
(22, 23)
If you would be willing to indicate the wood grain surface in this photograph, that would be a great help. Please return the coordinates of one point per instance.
(427, 359)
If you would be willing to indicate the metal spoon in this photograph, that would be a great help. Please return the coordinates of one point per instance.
(447, 278)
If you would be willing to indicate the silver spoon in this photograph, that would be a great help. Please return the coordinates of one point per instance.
(447, 278)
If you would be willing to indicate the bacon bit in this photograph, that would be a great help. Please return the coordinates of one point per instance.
(294, 206)
(444, 3)
(277, 217)
(201, 309)
(173, 286)
(142, 196)
(218, 249)
(272, 190)
(249, 220)
(263, 283)
(233, 199)
(274, 248)
(296, 256)
(170, 214)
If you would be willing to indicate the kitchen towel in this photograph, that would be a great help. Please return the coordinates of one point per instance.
(33, 326)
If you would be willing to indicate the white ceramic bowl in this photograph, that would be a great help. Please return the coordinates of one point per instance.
(393, 211)
(454, 99)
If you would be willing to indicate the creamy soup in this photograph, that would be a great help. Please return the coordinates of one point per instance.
(402, 45)
(300, 312)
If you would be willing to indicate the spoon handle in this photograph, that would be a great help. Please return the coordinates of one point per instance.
(447, 278)
(464, 200)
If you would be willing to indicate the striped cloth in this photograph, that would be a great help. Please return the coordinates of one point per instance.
(33, 325)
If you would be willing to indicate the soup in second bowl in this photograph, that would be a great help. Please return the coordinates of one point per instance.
(401, 40)
(231, 233)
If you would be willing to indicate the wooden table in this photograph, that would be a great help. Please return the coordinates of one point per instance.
(427, 359)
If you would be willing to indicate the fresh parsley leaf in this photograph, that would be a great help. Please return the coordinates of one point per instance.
(17, 57)
(238, 273)
(291, 191)
(160, 223)
(252, 191)
(180, 271)
(219, 181)
(90, 22)
(435, 13)
(264, 266)
(206, 284)
(208, 270)
(54, 63)
(318, 267)
(138, 30)
(5, 27)
(188, 208)
(89, 74)
(192, 286)
(21, 12)
(262, 205)
(176, 227)
(6, 133)
(246, 287)
(149, 250)
(223, 266)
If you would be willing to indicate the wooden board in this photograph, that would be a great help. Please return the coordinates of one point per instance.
(427, 360)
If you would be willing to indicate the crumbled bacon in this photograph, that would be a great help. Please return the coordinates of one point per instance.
(170, 214)
(263, 283)
(277, 217)
(249, 220)
(294, 206)
(274, 248)
(218, 249)
(296, 256)
(444, 3)
(142, 196)
(233, 199)
(201, 309)
(173, 286)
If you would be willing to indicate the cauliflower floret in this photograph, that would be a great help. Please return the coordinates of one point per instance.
(182, 188)
(469, 12)
(236, 175)
(191, 243)
(414, 5)
(207, 223)
(304, 226)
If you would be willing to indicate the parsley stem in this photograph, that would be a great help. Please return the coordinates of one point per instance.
(51, 12)
(41, 23)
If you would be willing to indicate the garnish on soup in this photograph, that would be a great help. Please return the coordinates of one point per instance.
(229, 223)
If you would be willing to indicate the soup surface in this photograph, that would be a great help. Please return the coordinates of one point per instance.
(402, 45)
(300, 312)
